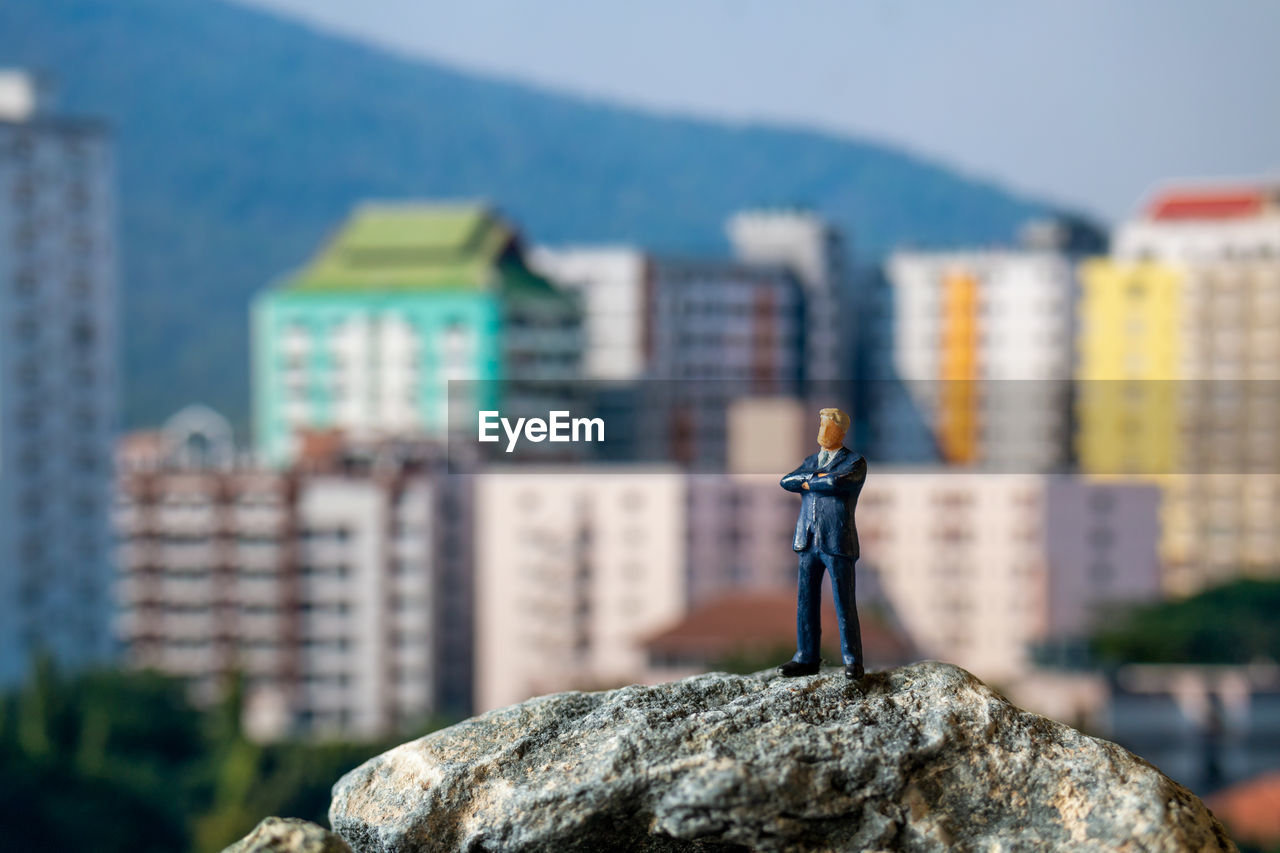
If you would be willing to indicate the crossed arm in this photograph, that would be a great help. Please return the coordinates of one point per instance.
(796, 480)
(827, 482)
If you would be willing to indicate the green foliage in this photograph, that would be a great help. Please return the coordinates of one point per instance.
(120, 761)
(243, 139)
(290, 779)
(103, 760)
(1231, 624)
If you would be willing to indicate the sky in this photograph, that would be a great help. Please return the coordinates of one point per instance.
(1089, 103)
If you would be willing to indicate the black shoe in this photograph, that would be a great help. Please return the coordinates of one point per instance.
(793, 668)
(854, 671)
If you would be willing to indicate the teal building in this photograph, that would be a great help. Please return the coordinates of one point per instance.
(405, 298)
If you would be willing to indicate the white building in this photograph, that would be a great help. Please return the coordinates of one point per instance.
(57, 383)
(331, 587)
(985, 342)
(611, 285)
(1203, 221)
(574, 569)
(961, 556)
(972, 562)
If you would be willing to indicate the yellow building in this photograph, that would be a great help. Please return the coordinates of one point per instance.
(1129, 363)
(1177, 363)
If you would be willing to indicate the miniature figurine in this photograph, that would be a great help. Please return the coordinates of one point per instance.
(828, 483)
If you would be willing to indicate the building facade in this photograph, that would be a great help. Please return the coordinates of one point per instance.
(1129, 365)
(740, 533)
(673, 341)
(984, 343)
(814, 251)
(718, 331)
(1187, 315)
(1102, 550)
(58, 383)
(574, 569)
(982, 569)
(612, 286)
(403, 300)
(336, 588)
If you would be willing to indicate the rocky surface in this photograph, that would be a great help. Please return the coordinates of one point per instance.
(924, 757)
(289, 835)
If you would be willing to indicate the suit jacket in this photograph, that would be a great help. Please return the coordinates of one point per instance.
(826, 507)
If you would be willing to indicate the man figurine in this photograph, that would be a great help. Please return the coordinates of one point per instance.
(828, 482)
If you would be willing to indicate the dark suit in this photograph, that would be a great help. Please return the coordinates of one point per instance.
(826, 537)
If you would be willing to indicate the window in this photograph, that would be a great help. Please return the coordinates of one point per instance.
(25, 327)
(83, 333)
(1102, 501)
(25, 281)
(1101, 537)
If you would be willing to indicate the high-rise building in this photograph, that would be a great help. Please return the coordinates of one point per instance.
(58, 383)
(679, 339)
(984, 342)
(1187, 314)
(814, 251)
(969, 560)
(574, 570)
(613, 287)
(1129, 364)
(338, 588)
(719, 331)
(405, 298)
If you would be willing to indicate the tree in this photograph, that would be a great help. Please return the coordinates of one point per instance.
(1231, 624)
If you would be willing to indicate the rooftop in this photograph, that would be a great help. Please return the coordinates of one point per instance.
(1212, 202)
(762, 620)
(1251, 810)
(419, 246)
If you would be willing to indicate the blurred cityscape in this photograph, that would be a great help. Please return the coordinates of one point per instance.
(1066, 437)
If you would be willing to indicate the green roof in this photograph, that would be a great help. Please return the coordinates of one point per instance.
(463, 246)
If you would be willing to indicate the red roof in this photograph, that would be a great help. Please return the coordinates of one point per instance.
(1208, 204)
(1251, 810)
(762, 620)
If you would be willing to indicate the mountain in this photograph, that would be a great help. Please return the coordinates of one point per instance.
(242, 139)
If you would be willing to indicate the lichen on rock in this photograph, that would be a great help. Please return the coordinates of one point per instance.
(925, 757)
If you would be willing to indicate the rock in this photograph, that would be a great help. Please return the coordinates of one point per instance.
(289, 835)
(924, 757)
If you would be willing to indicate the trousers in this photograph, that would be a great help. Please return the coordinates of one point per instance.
(809, 606)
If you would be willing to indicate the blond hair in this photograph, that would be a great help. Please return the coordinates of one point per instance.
(837, 417)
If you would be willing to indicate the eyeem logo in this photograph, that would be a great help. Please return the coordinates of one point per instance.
(558, 427)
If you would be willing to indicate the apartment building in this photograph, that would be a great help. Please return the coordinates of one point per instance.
(612, 286)
(677, 340)
(58, 383)
(574, 569)
(981, 568)
(1179, 361)
(402, 301)
(984, 343)
(814, 250)
(338, 588)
